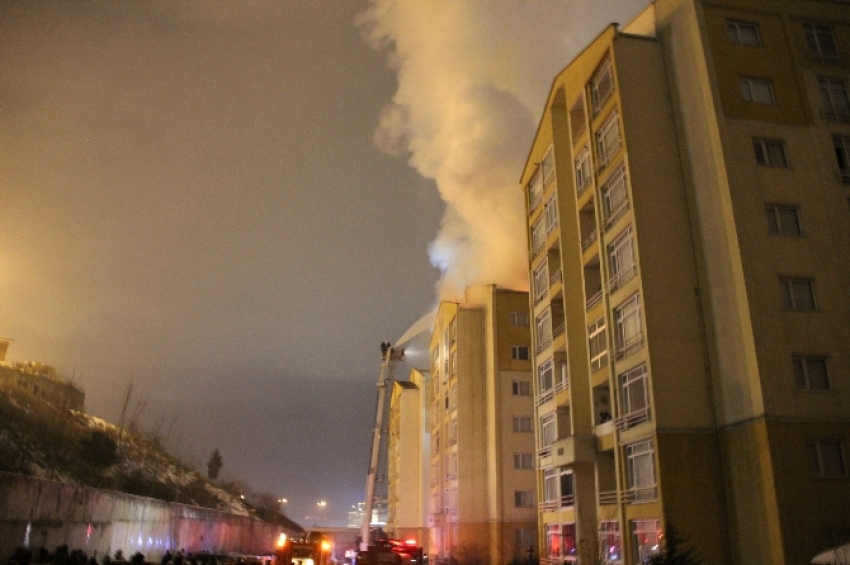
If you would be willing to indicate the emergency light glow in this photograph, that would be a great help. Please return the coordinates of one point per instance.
(326, 546)
(410, 541)
(281, 540)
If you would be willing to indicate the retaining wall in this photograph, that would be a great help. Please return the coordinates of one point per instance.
(37, 513)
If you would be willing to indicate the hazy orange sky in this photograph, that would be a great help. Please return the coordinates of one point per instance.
(231, 204)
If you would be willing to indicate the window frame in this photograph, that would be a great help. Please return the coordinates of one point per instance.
(521, 388)
(583, 169)
(618, 272)
(814, 43)
(792, 299)
(766, 152)
(517, 353)
(635, 403)
(518, 319)
(804, 376)
(640, 458)
(835, 99)
(629, 309)
(817, 457)
(523, 461)
(601, 85)
(734, 27)
(841, 144)
(612, 209)
(776, 225)
(597, 335)
(522, 424)
(753, 96)
(608, 147)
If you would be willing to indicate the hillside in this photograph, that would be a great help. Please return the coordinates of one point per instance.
(41, 440)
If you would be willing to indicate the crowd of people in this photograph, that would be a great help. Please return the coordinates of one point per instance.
(63, 556)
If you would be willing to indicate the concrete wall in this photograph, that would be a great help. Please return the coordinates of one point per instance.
(39, 513)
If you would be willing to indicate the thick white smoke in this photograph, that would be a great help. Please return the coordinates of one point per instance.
(472, 80)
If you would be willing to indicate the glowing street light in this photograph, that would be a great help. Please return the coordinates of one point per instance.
(321, 504)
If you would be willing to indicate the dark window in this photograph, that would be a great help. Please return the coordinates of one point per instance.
(797, 294)
(810, 372)
(783, 220)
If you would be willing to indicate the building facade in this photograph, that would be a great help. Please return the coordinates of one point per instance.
(482, 480)
(408, 460)
(689, 251)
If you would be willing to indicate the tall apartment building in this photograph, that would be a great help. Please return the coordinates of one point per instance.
(408, 459)
(689, 238)
(482, 480)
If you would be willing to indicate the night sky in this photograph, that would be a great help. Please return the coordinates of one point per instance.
(231, 204)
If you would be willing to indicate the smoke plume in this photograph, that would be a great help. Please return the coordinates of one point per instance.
(472, 80)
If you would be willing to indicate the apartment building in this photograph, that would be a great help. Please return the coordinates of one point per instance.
(689, 251)
(482, 479)
(408, 459)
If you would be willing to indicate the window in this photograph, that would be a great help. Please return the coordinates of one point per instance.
(453, 431)
(608, 140)
(454, 396)
(834, 98)
(453, 468)
(524, 498)
(598, 342)
(609, 541)
(810, 372)
(783, 220)
(523, 461)
(743, 33)
(550, 485)
(519, 318)
(521, 388)
(453, 330)
(842, 154)
(797, 294)
(551, 210)
(646, 539)
(538, 235)
(548, 431)
(519, 352)
(826, 458)
(453, 363)
(568, 542)
(770, 152)
(553, 541)
(615, 197)
(544, 329)
(522, 424)
(548, 166)
(602, 84)
(821, 42)
(567, 488)
(546, 377)
(541, 280)
(621, 260)
(534, 189)
(757, 90)
(584, 172)
(640, 459)
(634, 393)
(629, 328)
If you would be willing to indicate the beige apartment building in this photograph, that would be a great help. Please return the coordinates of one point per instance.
(408, 458)
(689, 250)
(482, 479)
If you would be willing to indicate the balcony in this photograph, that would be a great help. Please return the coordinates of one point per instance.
(568, 500)
(632, 419)
(608, 497)
(593, 300)
(588, 240)
(630, 346)
(616, 214)
(619, 279)
(545, 396)
(547, 506)
(573, 449)
(640, 494)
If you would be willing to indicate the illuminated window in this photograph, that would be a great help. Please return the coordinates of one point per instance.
(454, 396)
(783, 220)
(826, 458)
(569, 551)
(567, 491)
(553, 541)
(548, 431)
(770, 152)
(810, 372)
(550, 485)
(546, 379)
(551, 209)
(820, 40)
(797, 294)
(609, 542)
(757, 90)
(646, 539)
(634, 396)
(743, 33)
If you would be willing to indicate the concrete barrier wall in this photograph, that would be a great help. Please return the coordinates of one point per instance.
(37, 513)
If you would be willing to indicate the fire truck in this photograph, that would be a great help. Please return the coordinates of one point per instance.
(391, 552)
(314, 548)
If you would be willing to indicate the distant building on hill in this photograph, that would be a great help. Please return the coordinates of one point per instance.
(41, 380)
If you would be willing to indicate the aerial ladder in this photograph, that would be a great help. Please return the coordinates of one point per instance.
(390, 356)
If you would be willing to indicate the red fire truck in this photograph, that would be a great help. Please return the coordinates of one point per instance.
(314, 548)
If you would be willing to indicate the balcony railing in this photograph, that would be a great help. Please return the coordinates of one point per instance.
(640, 494)
(594, 300)
(556, 278)
(544, 343)
(836, 117)
(630, 346)
(620, 278)
(544, 452)
(608, 497)
(568, 500)
(547, 505)
(559, 329)
(826, 58)
(589, 239)
(632, 419)
(545, 396)
(616, 213)
(562, 385)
